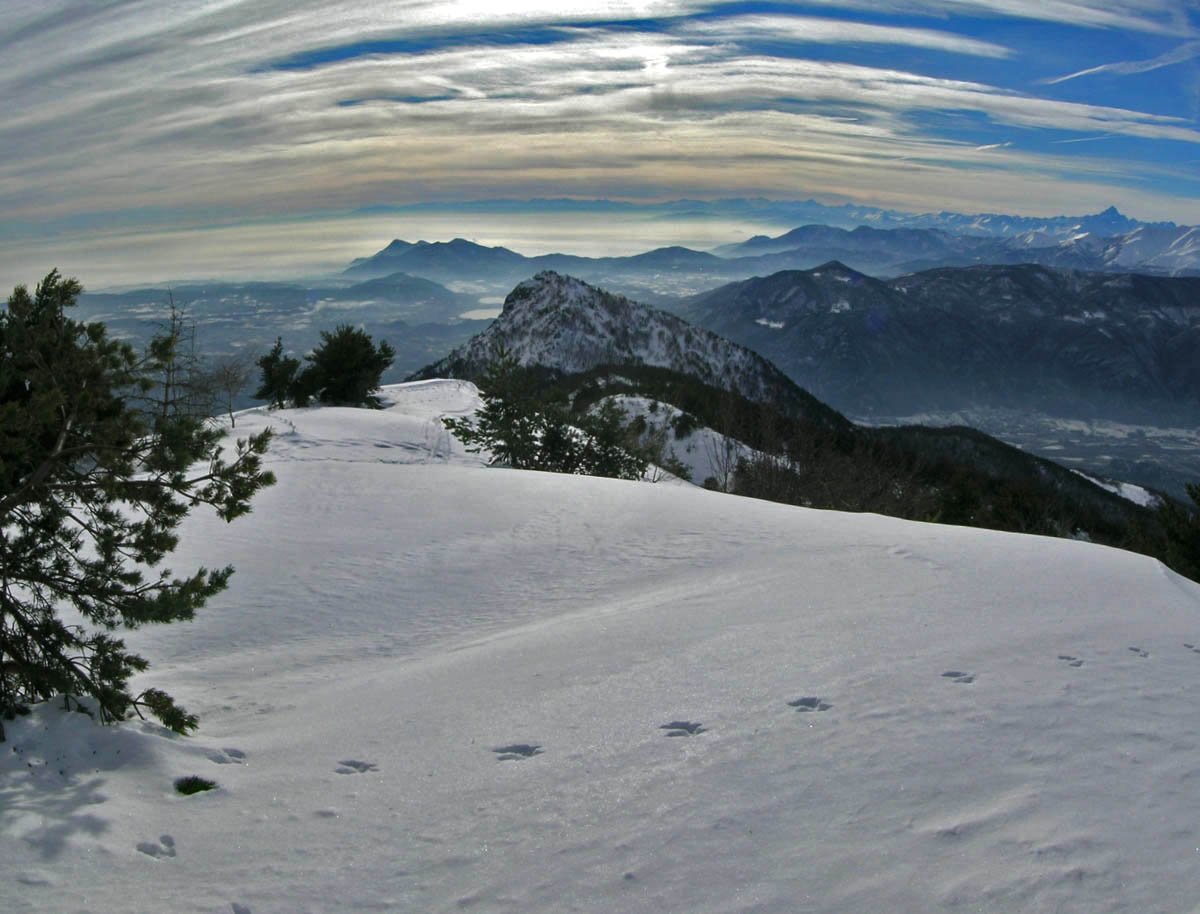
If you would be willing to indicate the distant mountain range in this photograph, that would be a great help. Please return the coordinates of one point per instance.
(797, 212)
(1156, 249)
(1064, 342)
(1088, 243)
(666, 271)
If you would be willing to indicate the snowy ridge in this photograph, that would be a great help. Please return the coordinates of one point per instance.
(1127, 490)
(436, 687)
(1092, 244)
(563, 323)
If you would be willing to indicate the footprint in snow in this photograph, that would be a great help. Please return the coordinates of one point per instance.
(1070, 661)
(810, 703)
(957, 676)
(227, 756)
(683, 728)
(1192, 648)
(163, 847)
(517, 751)
(354, 766)
(1141, 653)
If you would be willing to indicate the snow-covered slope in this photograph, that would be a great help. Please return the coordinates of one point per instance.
(436, 687)
(704, 452)
(563, 323)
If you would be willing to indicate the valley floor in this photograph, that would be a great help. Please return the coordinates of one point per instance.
(1164, 457)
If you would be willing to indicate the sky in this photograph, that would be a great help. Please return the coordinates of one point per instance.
(143, 139)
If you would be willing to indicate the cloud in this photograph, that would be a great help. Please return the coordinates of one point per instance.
(1186, 51)
(808, 29)
(603, 105)
(1162, 17)
(1083, 139)
(130, 112)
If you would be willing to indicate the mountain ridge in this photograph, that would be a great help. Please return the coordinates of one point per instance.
(1022, 336)
(567, 325)
(885, 251)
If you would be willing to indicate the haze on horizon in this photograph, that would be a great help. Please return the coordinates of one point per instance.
(228, 137)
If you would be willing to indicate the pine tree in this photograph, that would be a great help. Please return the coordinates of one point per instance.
(507, 424)
(101, 458)
(611, 448)
(345, 370)
(347, 367)
(278, 376)
(523, 433)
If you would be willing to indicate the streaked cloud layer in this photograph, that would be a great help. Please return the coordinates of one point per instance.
(151, 121)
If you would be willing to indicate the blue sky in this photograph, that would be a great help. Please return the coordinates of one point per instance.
(141, 139)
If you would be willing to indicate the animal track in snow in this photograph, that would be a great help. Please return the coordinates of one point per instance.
(1192, 648)
(227, 756)
(1141, 653)
(1070, 661)
(517, 751)
(960, 677)
(354, 766)
(810, 703)
(163, 847)
(683, 728)
(240, 908)
(901, 553)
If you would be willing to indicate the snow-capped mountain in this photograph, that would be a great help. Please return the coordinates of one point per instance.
(1167, 249)
(888, 245)
(1063, 342)
(995, 225)
(1158, 249)
(564, 324)
(1108, 222)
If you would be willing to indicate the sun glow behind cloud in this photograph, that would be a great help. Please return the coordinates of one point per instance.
(138, 118)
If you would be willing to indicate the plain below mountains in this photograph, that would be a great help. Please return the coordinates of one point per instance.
(420, 318)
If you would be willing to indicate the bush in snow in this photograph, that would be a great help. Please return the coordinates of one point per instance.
(525, 433)
(345, 370)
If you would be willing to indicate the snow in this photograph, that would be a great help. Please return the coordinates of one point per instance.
(1126, 490)
(702, 450)
(434, 686)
